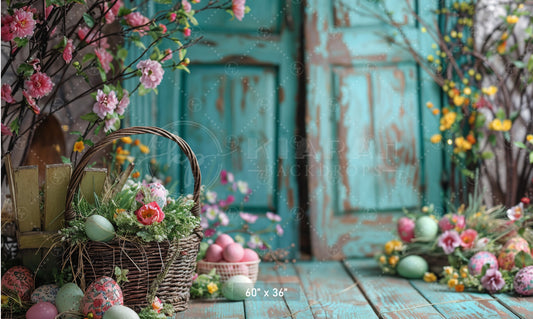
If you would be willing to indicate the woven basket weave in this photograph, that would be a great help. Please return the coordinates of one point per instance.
(161, 269)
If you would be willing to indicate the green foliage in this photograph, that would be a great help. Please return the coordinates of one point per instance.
(200, 286)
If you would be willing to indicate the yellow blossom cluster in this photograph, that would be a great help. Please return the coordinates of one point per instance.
(462, 145)
(490, 91)
(393, 245)
(500, 126)
(447, 120)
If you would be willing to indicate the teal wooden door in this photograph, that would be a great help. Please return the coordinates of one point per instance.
(237, 108)
(368, 133)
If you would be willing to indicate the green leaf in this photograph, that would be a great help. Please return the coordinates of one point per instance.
(519, 64)
(14, 126)
(143, 91)
(88, 142)
(523, 259)
(75, 133)
(25, 69)
(139, 44)
(531, 158)
(122, 54)
(487, 155)
(530, 64)
(520, 144)
(88, 57)
(98, 128)
(91, 117)
(103, 76)
(163, 1)
(121, 274)
(21, 42)
(507, 136)
(89, 20)
(65, 160)
(492, 139)
(467, 173)
(500, 114)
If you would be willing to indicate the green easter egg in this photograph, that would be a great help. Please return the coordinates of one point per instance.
(120, 312)
(235, 288)
(98, 228)
(426, 229)
(412, 267)
(68, 298)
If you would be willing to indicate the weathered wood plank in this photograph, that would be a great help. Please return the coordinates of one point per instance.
(295, 296)
(461, 305)
(331, 292)
(27, 198)
(55, 193)
(213, 309)
(266, 306)
(523, 306)
(393, 297)
(36, 240)
(93, 183)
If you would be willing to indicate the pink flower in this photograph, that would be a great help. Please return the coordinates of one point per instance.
(105, 58)
(186, 5)
(459, 221)
(406, 229)
(516, 212)
(124, 102)
(203, 222)
(31, 102)
(449, 222)
(157, 305)
(152, 73)
(93, 38)
(139, 22)
(228, 201)
(273, 217)
(6, 130)
(116, 5)
(172, 17)
(249, 218)
(6, 93)
(168, 55)
(448, 241)
(279, 230)
(39, 85)
(47, 11)
(67, 52)
(209, 232)
(105, 103)
(109, 15)
(492, 281)
(23, 23)
(481, 243)
(223, 218)
(194, 276)
(468, 238)
(238, 8)
(163, 28)
(7, 34)
(149, 214)
(187, 32)
(226, 177)
(109, 124)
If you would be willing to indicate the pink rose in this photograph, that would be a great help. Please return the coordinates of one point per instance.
(448, 241)
(39, 85)
(105, 58)
(172, 17)
(149, 214)
(7, 33)
(152, 73)
(468, 238)
(23, 23)
(105, 103)
(406, 229)
(6, 93)
(237, 6)
(140, 23)
(67, 52)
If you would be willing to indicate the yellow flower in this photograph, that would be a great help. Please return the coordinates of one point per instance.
(452, 283)
(453, 34)
(126, 140)
(462, 145)
(435, 111)
(79, 146)
(431, 58)
(512, 19)
(136, 174)
(429, 105)
(455, 275)
(382, 259)
(471, 72)
(500, 126)
(120, 159)
(501, 47)
(389, 247)
(467, 90)
(448, 270)
(490, 91)
(478, 77)
(144, 149)
(436, 138)
(118, 211)
(430, 277)
(504, 37)
(137, 142)
(424, 30)
(447, 120)
(529, 138)
(393, 260)
(458, 100)
(212, 287)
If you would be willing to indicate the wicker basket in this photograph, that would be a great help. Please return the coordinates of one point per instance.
(161, 269)
(227, 270)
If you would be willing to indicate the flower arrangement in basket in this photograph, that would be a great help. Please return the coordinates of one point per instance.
(136, 232)
(473, 248)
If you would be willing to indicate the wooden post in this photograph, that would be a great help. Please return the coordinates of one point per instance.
(93, 183)
(55, 193)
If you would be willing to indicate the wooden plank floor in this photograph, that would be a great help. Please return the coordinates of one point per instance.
(355, 289)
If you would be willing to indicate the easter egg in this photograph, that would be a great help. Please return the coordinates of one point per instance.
(510, 250)
(476, 262)
(19, 279)
(120, 312)
(233, 252)
(223, 240)
(42, 310)
(523, 281)
(249, 255)
(426, 229)
(412, 267)
(45, 293)
(406, 229)
(101, 295)
(214, 253)
(158, 193)
(68, 298)
(235, 288)
(98, 228)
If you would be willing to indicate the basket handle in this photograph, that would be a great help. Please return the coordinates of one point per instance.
(78, 173)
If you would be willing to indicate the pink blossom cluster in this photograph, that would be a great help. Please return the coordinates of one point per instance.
(467, 239)
(19, 25)
(151, 73)
(238, 8)
(138, 22)
(107, 104)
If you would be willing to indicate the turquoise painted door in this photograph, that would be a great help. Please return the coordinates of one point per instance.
(368, 133)
(237, 108)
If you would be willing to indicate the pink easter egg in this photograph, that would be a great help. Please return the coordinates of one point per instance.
(233, 252)
(406, 229)
(523, 281)
(249, 255)
(20, 280)
(223, 240)
(101, 295)
(42, 310)
(214, 253)
(476, 262)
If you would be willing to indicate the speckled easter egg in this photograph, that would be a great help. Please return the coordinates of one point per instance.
(412, 267)
(158, 193)
(510, 250)
(98, 228)
(235, 288)
(45, 293)
(42, 310)
(249, 255)
(523, 281)
(476, 262)
(19, 279)
(233, 252)
(426, 229)
(406, 229)
(214, 253)
(69, 297)
(101, 295)
(120, 312)
(223, 240)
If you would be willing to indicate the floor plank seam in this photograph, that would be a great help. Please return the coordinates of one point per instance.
(356, 281)
(429, 301)
(507, 307)
(306, 295)
(291, 314)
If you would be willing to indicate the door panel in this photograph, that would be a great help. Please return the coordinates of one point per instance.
(366, 127)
